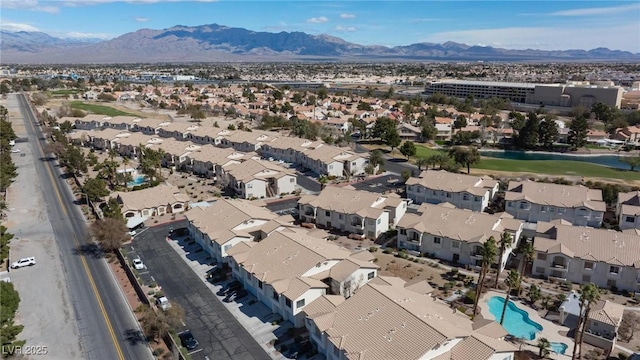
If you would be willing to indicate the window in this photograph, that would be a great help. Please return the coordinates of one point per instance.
(327, 213)
(611, 283)
(614, 270)
(509, 204)
(561, 211)
(379, 221)
(552, 210)
(353, 163)
(300, 303)
(403, 231)
(275, 295)
(542, 256)
(260, 284)
(465, 197)
(478, 199)
(540, 270)
(448, 194)
(371, 275)
(437, 240)
(292, 180)
(330, 167)
(588, 265)
(582, 212)
(586, 278)
(249, 186)
(435, 192)
(287, 302)
(524, 205)
(455, 244)
(340, 216)
(629, 219)
(544, 208)
(227, 247)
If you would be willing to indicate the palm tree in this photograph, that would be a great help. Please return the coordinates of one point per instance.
(420, 162)
(543, 345)
(323, 180)
(376, 158)
(589, 295)
(512, 281)
(528, 251)
(488, 253)
(505, 241)
(125, 163)
(534, 294)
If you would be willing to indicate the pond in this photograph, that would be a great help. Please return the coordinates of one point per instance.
(606, 160)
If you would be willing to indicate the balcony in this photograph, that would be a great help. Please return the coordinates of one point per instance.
(559, 266)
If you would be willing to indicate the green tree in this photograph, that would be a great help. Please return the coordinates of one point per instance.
(528, 136)
(113, 209)
(505, 242)
(323, 180)
(488, 252)
(406, 174)
(74, 160)
(528, 251)
(513, 281)
(603, 112)
(382, 127)
(440, 159)
(632, 161)
(408, 149)
(465, 156)
(5, 239)
(421, 162)
(543, 347)
(549, 133)
(376, 158)
(460, 122)
(428, 132)
(534, 294)
(9, 331)
(95, 189)
(392, 139)
(517, 120)
(578, 132)
(589, 295)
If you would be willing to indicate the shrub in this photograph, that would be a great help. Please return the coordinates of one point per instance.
(373, 249)
(387, 251)
(622, 356)
(470, 297)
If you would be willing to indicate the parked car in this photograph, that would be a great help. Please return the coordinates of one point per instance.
(232, 286)
(163, 303)
(187, 340)
(235, 295)
(27, 261)
(138, 264)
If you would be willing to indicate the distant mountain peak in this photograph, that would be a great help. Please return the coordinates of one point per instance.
(215, 42)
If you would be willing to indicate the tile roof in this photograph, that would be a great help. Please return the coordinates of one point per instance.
(350, 201)
(458, 224)
(569, 196)
(607, 246)
(630, 202)
(607, 312)
(150, 197)
(447, 181)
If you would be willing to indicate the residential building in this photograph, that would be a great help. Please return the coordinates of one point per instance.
(353, 211)
(463, 191)
(390, 319)
(602, 325)
(409, 132)
(535, 201)
(257, 179)
(579, 254)
(225, 223)
(628, 210)
(140, 205)
(455, 235)
(291, 268)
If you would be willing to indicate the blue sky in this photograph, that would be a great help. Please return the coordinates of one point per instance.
(513, 24)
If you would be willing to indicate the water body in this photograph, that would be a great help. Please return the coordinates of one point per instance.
(606, 160)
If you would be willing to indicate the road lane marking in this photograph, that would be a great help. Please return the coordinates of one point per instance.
(195, 351)
(84, 261)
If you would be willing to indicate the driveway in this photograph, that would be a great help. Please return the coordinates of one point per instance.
(220, 335)
(382, 184)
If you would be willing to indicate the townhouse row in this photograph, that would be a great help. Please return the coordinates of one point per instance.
(321, 158)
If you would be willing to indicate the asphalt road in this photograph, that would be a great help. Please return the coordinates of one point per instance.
(394, 165)
(220, 335)
(104, 318)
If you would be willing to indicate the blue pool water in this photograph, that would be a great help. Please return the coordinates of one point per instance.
(516, 320)
(137, 180)
(559, 348)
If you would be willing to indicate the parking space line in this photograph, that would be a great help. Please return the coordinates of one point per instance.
(195, 351)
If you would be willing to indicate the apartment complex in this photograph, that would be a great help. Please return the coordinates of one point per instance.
(562, 95)
(462, 191)
(628, 210)
(533, 202)
(140, 205)
(291, 268)
(609, 259)
(354, 211)
(389, 319)
(256, 179)
(455, 235)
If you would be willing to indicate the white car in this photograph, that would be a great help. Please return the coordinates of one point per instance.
(28, 261)
(15, 150)
(138, 264)
(163, 303)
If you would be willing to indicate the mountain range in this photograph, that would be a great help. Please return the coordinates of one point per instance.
(218, 43)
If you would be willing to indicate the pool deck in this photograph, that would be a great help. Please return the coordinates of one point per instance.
(550, 330)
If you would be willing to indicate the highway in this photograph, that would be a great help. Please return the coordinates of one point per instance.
(108, 329)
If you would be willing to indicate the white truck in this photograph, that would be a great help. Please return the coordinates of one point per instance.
(27, 261)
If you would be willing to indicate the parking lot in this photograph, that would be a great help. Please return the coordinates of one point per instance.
(219, 334)
(382, 184)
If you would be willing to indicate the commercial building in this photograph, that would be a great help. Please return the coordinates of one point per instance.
(562, 95)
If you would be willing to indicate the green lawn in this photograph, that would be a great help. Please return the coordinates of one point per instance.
(545, 167)
(556, 167)
(65, 92)
(99, 109)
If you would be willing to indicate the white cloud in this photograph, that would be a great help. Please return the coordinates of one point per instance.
(423, 20)
(597, 11)
(547, 38)
(32, 5)
(347, 16)
(345, 28)
(140, 19)
(14, 27)
(282, 26)
(317, 20)
(84, 35)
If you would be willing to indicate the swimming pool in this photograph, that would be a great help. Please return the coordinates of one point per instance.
(516, 320)
(137, 180)
(558, 347)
